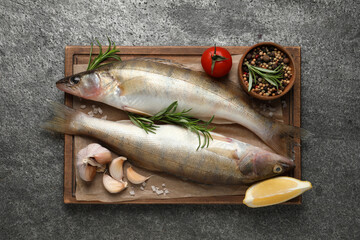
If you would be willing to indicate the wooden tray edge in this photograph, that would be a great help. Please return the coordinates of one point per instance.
(70, 51)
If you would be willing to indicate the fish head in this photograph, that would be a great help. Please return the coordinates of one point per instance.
(88, 85)
(262, 164)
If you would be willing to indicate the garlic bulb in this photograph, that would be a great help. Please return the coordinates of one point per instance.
(116, 168)
(112, 185)
(135, 177)
(90, 159)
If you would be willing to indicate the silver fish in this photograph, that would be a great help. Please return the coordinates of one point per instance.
(173, 150)
(147, 87)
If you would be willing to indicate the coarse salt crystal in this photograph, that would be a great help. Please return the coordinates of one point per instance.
(82, 106)
(271, 114)
(91, 113)
(166, 191)
(100, 111)
(132, 193)
(153, 188)
(142, 188)
(104, 117)
(163, 185)
(144, 184)
(96, 111)
(159, 192)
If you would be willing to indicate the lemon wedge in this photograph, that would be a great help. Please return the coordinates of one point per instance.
(274, 191)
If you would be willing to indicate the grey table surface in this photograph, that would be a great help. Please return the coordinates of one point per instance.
(33, 35)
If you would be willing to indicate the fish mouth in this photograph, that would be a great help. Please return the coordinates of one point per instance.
(287, 164)
(62, 84)
(63, 81)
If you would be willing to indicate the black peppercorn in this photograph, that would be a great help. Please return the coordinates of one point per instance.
(266, 58)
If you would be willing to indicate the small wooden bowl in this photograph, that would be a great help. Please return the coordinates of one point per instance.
(291, 64)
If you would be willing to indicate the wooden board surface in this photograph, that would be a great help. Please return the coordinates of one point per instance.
(80, 55)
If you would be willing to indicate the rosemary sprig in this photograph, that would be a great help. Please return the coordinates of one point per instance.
(170, 116)
(271, 76)
(110, 53)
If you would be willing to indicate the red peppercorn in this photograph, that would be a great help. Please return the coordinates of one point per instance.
(256, 56)
(256, 86)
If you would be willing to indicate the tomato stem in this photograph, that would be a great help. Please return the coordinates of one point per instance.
(215, 58)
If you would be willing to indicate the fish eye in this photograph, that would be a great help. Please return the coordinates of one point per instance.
(277, 169)
(75, 79)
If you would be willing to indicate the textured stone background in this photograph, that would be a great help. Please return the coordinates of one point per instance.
(33, 35)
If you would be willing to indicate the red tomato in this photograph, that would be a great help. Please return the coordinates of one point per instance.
(216, 61)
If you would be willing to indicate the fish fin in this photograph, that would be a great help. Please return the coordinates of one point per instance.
(62, 121)
(163, 61)
(218, 120)
(220, 137)
(136, 111)
(245, 165)
(230, 153)
(284, 137)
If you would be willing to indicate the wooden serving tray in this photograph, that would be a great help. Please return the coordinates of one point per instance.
(80, 55)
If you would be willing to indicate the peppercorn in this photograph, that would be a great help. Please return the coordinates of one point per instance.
(286, 60)
(266, 58)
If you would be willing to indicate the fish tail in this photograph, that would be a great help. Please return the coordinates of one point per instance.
(63, 119)
(284, 137)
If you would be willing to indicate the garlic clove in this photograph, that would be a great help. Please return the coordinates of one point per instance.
(116, 168)
(87, 172)
(103, 157)
(135, 177)
(112, 185)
